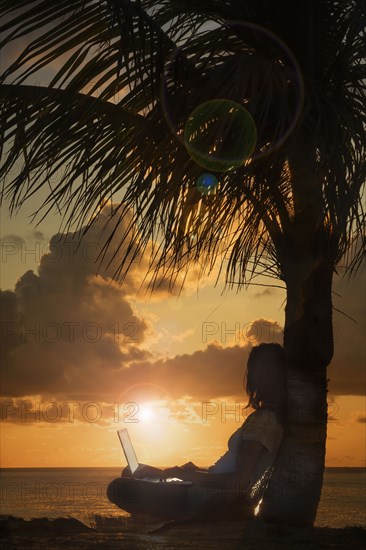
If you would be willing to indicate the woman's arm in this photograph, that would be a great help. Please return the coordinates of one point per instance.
(196, 475)
(143, 471)
(248, 456)
(192, 466)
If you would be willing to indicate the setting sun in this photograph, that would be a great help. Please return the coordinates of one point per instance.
(145, 414)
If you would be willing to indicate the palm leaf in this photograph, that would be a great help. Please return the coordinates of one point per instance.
(175, 55)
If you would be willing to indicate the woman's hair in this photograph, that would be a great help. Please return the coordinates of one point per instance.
(265, 378)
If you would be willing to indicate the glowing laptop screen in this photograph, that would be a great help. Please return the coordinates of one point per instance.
(128, 449)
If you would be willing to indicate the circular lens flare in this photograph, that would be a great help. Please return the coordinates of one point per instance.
(220, 135)
(207, 183)
(275, 101)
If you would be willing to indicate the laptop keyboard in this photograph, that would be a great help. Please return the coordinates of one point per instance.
(154, 479)
(168, 480)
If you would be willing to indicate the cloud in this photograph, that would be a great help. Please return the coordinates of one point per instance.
(90, 394)
(11, 240)
(205, 374)
(264, 293)
(265, 330)
(168, 335)
(66, 330)
(68, 333)
(347, 371)
(37, 235)
(71, 331)
(96, 253)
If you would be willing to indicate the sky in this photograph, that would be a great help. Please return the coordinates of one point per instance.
(86, 355)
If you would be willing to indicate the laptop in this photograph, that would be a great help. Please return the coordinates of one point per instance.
(133, 463)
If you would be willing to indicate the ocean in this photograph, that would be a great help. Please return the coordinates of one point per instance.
(80, 493)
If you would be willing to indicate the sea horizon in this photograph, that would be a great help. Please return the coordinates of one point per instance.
(114, 467)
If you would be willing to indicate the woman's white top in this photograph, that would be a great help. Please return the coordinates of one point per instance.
(262, 426)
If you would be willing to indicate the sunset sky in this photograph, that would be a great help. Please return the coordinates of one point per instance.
(86, 356)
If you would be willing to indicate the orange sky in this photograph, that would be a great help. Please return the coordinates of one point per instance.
(174, 368)
(160, 440)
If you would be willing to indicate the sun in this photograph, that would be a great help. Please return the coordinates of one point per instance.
(145, 414)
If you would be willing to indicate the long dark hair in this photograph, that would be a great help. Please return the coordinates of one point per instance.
(265, 379)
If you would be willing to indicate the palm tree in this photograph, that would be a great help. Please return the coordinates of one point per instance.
(114, 117)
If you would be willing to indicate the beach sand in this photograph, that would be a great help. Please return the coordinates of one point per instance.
(123, 533)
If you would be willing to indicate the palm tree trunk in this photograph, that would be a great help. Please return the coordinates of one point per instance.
(293, 494)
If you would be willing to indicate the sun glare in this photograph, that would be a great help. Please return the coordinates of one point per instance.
(145, 414)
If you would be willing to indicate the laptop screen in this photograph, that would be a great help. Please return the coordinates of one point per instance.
(128, 449)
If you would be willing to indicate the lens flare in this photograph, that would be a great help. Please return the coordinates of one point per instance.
(220, 135)
(145, 414)
(231, 69)
(207, 183)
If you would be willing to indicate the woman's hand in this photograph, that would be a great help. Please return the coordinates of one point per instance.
(176, 471)
(190, 466)
(126, 472)
(144, 470)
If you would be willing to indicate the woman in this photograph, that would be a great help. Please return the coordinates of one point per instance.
(239, 476)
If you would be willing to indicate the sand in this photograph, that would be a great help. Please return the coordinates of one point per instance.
(121, 533)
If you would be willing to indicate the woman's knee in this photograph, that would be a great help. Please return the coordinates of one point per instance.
(125, 492)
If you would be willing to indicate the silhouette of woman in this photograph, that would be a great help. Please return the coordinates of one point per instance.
(234, 485)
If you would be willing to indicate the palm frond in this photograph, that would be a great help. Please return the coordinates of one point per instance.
(113, 116)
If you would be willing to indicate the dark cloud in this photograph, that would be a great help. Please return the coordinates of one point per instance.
(38, 235)
(71, 331)
(95, 253)
(198, 378)
(205, 374)
(11, 240)
(265, 292)
(68, 333)
(65, 330)
(265, 331)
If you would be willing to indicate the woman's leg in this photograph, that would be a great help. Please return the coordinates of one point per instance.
(211, 501)
(162, 500)
(168, 501)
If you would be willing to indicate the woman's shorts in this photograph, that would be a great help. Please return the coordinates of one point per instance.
(167, 500)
